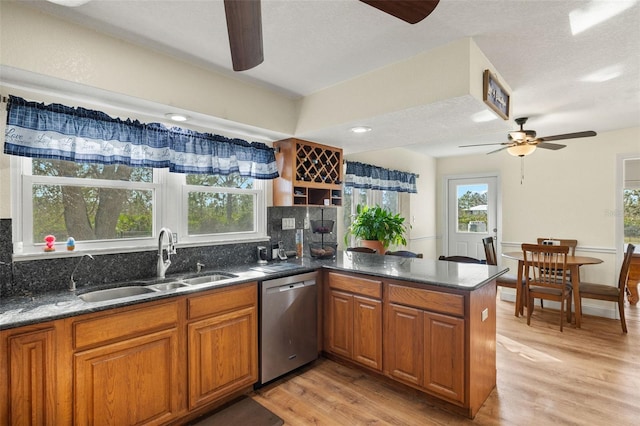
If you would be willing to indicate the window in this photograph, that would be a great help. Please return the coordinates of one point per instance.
(631, 201)
(472, 208)
(389, 200)
(114, 207)
(222, 207)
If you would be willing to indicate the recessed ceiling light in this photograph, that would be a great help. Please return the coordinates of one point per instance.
(176, 117)
(70, 3)
(361, 129)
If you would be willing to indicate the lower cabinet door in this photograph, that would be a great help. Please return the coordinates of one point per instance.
(444, 355)
(132, 382)
(31, 379)
(223, 354)
(404, 344)
(340, 323)
(367, 332)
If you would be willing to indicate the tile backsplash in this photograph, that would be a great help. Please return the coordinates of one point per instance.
(35, 276)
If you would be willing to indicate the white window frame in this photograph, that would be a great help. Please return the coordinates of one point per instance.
(167, 188)
(259, 212)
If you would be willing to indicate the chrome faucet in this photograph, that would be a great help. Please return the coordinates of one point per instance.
(163, 264)
(72, 283)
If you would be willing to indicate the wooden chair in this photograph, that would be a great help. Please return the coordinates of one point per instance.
(572, 244)
(504, 280)
(404, 253)
(611, 293)
(543, 266)
(362, 250)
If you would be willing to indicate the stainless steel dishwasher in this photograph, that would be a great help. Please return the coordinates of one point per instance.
(289, 324)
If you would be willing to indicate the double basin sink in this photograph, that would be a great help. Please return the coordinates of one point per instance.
(138, 288)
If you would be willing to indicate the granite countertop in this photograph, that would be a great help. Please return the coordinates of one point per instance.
(25, 310)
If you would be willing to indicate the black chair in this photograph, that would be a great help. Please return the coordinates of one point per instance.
(461, 259)
(504, 280)
(362, 250)
(404, 253)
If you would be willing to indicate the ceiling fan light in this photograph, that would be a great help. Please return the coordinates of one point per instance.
(518, 135)
(521, 150)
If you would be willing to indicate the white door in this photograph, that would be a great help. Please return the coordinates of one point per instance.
(471, 215)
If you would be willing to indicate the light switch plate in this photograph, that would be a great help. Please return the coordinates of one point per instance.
(288, 223)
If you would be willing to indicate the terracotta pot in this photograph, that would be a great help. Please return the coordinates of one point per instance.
(374, 244)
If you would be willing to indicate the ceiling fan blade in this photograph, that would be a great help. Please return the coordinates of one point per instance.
(586, 134)
(411, 11)
(244, 26)
(552, 146)
(497, 150)
(485, 144)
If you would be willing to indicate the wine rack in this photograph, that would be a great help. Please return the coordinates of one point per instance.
(310, 174)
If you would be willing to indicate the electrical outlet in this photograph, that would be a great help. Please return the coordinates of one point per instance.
(307, 224)
(485, 314)
(288, 223)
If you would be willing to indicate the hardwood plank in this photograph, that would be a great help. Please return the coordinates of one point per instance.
(585, 376)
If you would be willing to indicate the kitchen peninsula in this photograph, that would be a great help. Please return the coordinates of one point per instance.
(425, 323)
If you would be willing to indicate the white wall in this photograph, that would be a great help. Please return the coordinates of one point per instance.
(569, 193)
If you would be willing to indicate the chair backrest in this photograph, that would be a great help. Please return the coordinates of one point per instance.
(489, 251)
(626, 267)
(572, 244)
(461, 259)
(362, 249)
(404, 253)
(544, 265)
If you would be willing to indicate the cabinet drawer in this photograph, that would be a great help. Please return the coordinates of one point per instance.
(222, 300)
(121, 325)
(427, 299)
(357, 285)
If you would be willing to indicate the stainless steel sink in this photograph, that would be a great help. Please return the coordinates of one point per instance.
(217, 276)
(168, 286)
(115, 293)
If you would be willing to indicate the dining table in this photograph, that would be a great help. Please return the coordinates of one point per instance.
(573, 264)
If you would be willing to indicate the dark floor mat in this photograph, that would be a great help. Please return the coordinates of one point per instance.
(245, 412)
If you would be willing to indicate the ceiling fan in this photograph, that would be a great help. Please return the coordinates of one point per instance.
(523, 142)
(244, 25)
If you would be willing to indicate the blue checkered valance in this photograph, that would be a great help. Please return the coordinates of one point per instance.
(76, 134)
(360, 175)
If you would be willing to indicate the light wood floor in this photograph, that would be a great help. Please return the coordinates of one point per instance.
(587, 376)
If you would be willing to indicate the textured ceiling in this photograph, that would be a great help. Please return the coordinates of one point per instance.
(310, 45)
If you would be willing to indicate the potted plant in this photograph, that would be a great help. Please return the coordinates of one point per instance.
(377, 228)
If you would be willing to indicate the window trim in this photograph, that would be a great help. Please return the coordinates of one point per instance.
(166, 186)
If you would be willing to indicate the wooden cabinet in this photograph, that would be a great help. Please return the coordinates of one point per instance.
(126, 367)
(427, 348)
(442, 342)
(310, 174)
(222, 343)
(443, 349)
(354, 319)
(28, 370)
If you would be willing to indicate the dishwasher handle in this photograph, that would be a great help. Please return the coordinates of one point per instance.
(289, 287)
